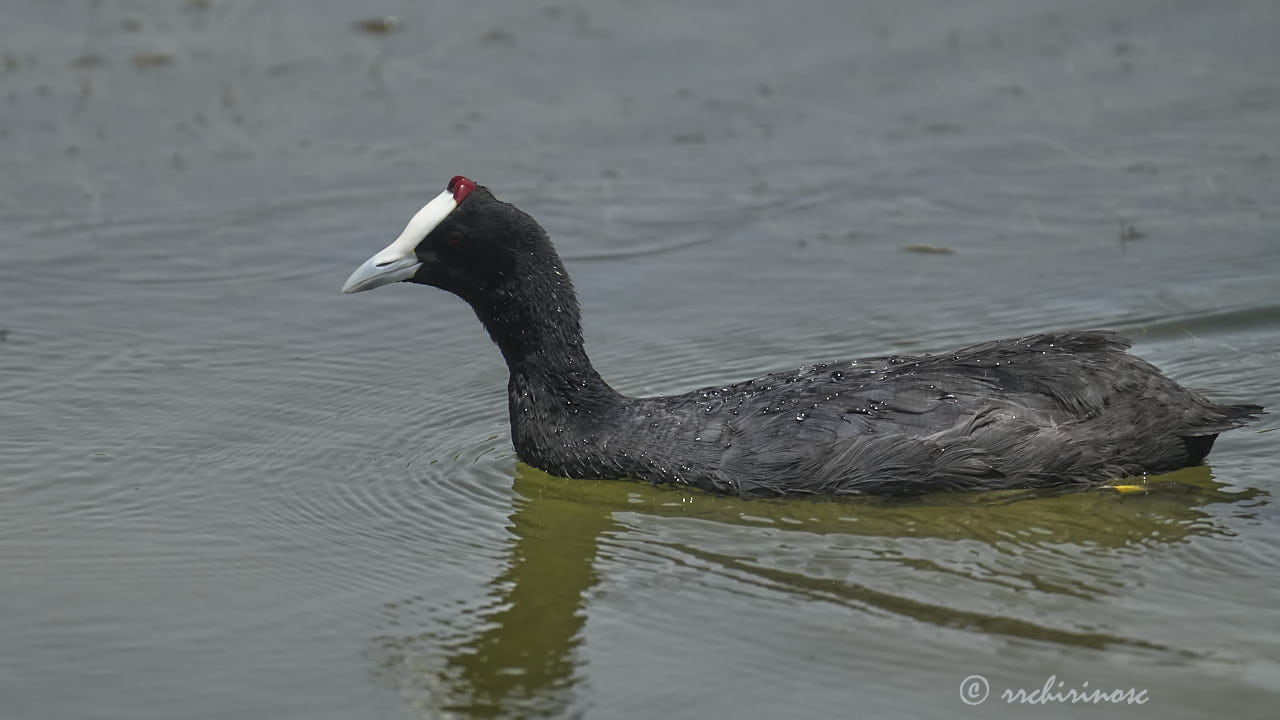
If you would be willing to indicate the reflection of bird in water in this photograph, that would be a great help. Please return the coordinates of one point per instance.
(1040, 411)
(519, 653)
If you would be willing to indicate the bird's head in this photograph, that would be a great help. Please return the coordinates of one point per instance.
(464, 240)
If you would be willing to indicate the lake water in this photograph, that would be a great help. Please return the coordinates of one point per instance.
(226, 490)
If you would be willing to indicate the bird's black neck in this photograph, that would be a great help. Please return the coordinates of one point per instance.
(532, 315)
(557, 401)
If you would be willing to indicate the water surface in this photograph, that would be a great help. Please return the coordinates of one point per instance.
(229, 491)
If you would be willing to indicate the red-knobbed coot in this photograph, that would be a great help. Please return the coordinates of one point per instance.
(1044, 410)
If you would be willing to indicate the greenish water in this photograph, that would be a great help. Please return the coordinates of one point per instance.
(521, 648)
(227, 490)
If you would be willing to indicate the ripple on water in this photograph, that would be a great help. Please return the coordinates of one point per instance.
(142, 457)
(645, 562)
(196, 247)
(858, 554)
(378, 469)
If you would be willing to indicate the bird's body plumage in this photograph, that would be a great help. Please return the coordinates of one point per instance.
(1043, 410)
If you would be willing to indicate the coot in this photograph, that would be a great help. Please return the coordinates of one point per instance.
(1043, 410)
